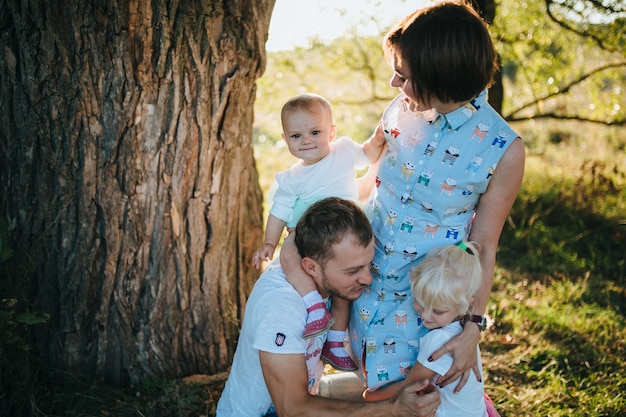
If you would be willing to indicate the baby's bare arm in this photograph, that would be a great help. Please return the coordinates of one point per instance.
(375, 145)
(273, 232)
(291, 263)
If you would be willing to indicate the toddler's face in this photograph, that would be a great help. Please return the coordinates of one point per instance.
(434, 318)
(308, 133)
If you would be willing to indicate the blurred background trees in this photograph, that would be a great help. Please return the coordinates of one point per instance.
(560, 60)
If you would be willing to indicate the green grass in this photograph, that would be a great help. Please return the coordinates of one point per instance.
(553, 353)
(558, 344)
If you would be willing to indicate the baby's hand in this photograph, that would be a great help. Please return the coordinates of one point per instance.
(263, 254)
(379, 135)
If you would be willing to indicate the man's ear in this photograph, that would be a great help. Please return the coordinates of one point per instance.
(310, 266)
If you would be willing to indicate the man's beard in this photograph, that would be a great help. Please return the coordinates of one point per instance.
(331, 290)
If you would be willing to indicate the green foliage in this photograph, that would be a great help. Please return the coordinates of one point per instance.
(71, 395)
(170, 398)
(13, 325)
(5, 250)
(352, 73)
(556, 67)
(16, 323)
(601, 21)
(570, 211)
(550, 70)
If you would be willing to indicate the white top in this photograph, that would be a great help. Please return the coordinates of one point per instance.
(470, 401)
(274, 321)
(333, 176)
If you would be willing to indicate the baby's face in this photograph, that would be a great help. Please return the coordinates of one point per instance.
(308, 133)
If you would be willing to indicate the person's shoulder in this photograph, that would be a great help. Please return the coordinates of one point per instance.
(443, 333)
(294, 171)
(273, 278)
(342, 140)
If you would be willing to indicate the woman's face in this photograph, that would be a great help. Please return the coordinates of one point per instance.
(402, 79)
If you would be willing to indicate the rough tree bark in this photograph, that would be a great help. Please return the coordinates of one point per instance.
(128, 180)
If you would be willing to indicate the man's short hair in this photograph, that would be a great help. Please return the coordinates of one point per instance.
(325, 223)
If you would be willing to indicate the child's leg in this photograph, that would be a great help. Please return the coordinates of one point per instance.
(333, 352)
(319, 319)
(341, 312)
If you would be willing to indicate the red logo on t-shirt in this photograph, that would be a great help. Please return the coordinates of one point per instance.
(280, 339)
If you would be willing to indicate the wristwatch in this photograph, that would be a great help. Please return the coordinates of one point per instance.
(481, 321)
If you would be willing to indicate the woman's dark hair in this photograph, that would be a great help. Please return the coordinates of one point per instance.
(325, 223)
(448, 50)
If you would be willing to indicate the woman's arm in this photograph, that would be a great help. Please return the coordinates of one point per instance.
(493, 208)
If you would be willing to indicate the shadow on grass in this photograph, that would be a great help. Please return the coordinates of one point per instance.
(71, 395)
(548, 237)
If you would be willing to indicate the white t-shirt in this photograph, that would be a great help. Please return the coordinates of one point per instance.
(274, 321)
(333, 176)
(470, 401)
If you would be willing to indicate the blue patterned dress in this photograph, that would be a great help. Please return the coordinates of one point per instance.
(427, 189)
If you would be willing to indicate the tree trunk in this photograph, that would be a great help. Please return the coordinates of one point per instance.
(128, 180)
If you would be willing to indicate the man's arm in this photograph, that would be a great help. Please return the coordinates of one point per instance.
(286, 378)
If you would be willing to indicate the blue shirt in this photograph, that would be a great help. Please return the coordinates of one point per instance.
(427, 189)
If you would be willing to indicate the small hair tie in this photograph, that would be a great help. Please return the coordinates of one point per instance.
(465, 248)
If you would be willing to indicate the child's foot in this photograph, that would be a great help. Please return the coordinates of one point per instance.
(336, 356)
(318, 321)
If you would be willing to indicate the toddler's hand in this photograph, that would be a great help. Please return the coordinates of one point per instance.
(263, 254)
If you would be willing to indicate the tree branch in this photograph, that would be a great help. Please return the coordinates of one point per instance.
(566, 117)
(565, 89)
(583, 33)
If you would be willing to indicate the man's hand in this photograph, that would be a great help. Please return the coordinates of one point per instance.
(420, 399)
(463, 350)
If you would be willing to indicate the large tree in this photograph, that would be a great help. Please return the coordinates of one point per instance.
(127, 177)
